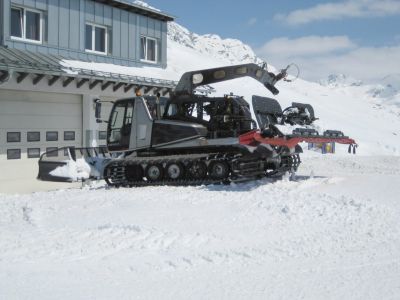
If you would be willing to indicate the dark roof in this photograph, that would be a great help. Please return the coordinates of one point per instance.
(13, 60)
(138, 9)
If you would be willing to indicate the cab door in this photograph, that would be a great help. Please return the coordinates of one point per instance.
(120, 125)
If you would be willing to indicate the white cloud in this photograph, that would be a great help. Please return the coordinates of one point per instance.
(252, 21)
(309, 45)
(322, 58)
(341, 10)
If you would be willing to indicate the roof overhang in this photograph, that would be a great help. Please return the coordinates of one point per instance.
(138, 9)
(40, 67)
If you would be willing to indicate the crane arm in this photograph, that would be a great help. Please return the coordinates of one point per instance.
(191, 80)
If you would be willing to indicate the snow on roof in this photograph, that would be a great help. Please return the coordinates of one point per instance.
(144, 4)
(139, 7)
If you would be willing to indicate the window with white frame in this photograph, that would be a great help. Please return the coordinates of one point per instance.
(26, 24)
(96, 39)
(148, 49)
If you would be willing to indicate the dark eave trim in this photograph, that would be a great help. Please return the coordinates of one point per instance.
(21, 76)
(53, 80)
(4, 75)
(67, 81)
(37, 78)
(128, 87)
(117, 86)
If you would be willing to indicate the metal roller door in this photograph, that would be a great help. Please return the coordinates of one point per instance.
(30, 124)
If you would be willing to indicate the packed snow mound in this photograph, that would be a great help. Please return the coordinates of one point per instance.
(340, 80)
(230, 50)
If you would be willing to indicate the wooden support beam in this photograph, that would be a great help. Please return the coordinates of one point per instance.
(53, 80)
(21, 77)
(166, 91)
(67, 81)
(147, 89)
(160, 91)
(4, 75)
(106, 85)
(93, 84)
(117, 86)
(81, 82)
(128, 87)
(37, 79)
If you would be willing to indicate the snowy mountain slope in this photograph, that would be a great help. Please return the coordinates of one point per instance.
(336, 80)
(332, 236)
(388, 90)
(211, 45)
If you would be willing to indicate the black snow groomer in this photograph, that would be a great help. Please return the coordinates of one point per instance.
(190, 139)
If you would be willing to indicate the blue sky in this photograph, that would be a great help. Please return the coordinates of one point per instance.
(341, 36)
(253, 21)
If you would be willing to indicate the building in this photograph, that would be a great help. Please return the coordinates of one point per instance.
(45, 104)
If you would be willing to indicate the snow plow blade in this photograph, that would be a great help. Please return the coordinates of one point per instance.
(69, 164)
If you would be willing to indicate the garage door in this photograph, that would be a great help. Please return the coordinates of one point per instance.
(30, 124)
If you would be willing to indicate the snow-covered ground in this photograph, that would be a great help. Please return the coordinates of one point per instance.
(334, 235)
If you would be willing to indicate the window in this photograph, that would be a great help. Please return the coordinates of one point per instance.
(13, 137)
(16, 22)
(33, 136)
(52, 152)
(96, 39)
(69, 135)
(26, 24)
(51, 136)
(33, 152)
(121, 123)
(102, 135)
(148, 49)
(14, 154)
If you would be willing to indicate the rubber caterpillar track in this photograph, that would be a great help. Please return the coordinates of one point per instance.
(191, 171)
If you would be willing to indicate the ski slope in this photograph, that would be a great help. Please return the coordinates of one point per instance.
(332, 233)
